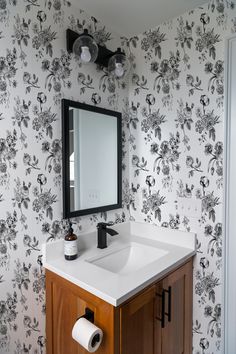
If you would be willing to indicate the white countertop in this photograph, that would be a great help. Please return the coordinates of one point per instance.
(117, 288)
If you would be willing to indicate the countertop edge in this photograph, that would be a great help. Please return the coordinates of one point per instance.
(155, 278)
(117, 302)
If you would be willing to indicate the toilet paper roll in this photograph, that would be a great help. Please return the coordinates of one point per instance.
(87, 335)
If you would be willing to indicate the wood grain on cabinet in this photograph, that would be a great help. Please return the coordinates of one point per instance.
(177, 334)
(136, 324)
(65, 303)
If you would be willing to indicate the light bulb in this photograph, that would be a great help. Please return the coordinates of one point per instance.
(119, 70)
(85, 55)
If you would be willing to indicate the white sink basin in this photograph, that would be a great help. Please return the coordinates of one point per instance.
(129, 259)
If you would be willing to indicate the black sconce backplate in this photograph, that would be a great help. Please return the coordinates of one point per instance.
(104, 54)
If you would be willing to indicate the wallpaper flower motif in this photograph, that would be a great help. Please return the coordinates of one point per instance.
(21, 35)
(184, 121)
(151, 43)
(21, 118)
(31, 81)
(8, 233)
(215, 242)
(7, 74)
(167, 75)
(8, 316)
(207, 120)
(167, 155)
(44, 118)
(43, 36)
(21, 198)
(152, 203)
(58, 73)
(8, 153)
(184, 37)
(207, 38)
(153, 119)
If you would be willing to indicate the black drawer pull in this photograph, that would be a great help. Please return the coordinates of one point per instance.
(163, 306)
(169, 304)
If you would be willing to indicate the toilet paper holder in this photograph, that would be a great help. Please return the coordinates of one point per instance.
(89, 315)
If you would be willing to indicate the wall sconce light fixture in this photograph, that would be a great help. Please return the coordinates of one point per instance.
(118, 64)
(88, 51)
(85, 48)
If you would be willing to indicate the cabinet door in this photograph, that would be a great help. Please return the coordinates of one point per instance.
(177, 331)
(67, 302)
(137, 320)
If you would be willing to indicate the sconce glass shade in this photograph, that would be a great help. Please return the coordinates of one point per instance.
(85, 48)
(118, 65)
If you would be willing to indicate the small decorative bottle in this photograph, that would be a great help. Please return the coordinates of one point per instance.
(70, 245)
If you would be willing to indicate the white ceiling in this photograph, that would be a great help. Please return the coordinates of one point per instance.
(130, 17)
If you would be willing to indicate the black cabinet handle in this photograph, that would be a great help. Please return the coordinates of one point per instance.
(163, 306)
(169, 304)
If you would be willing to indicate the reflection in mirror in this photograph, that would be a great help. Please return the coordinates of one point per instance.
(92, 159)
(93, 169)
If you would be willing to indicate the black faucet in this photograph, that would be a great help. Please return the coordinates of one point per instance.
(103, 230)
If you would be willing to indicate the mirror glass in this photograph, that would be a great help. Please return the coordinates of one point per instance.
(91, 152)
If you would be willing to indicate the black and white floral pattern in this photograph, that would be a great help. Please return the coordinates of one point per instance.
(176, 144)
(35, 73)
(172, 147)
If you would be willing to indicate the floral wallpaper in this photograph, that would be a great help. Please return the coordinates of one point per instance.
(172, 147)
(35, 73)
(175, 118)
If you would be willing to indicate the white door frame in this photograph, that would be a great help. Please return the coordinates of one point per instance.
(229, 218)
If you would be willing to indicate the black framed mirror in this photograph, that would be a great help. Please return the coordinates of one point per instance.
(92, 158)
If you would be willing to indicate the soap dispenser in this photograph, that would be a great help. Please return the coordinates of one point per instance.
(70, 245)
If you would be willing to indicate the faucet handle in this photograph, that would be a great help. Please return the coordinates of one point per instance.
(103, 225)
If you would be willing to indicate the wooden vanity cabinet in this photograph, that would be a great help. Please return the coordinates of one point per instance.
(158, 320)
(65, 303)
